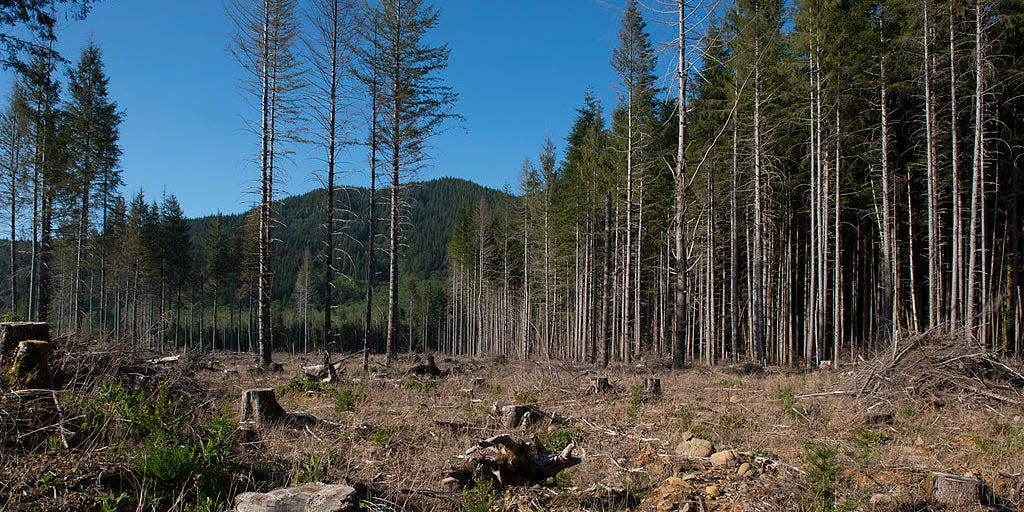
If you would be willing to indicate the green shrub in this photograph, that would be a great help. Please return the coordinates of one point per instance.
(346, 399)
(423, 386)
(380, 437)
(312, 469)
(822, 467)
(558, 440)
(480, 496)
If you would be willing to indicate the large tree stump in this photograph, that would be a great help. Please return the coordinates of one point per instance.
(312, 497)
(598, 385)
(30, 366)
(12, 333)
(427, 369)
(953, 490)
(261, 405)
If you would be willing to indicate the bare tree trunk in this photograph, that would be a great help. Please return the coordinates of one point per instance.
(978, 175)
(757, 256)
(934, 265)
(956, 270)
(606, 285)
(679, 220)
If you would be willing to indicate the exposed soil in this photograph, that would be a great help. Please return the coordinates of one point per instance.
(802, 440)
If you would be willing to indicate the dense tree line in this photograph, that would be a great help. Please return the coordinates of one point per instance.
(849, 174)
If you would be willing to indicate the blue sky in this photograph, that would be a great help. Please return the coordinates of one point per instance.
(521, 68)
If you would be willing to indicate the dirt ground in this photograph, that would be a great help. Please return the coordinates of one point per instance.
(800, 440)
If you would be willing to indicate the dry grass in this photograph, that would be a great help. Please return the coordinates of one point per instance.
(398, 435)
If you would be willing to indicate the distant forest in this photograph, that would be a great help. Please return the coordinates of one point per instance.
(820, 181)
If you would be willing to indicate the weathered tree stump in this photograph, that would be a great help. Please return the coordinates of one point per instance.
(953, 490)
(311, 497)
(516, 416)
(261, 405)
(30, 366)
(324, 372)
(510, 461)
(598, 385)
(652, 386)
(12, 333)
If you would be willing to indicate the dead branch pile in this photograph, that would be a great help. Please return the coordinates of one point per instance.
(939, 365)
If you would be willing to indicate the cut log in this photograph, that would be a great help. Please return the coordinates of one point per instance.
(312, 497)
(30, 366)
(261, 405)
(510, 461)
(598, 385)
(953, 490)
(12, 333)
(652, 386)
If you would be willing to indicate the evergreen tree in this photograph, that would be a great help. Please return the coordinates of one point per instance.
(413, 102)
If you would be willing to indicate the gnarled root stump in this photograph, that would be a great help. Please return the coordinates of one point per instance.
(510, 461)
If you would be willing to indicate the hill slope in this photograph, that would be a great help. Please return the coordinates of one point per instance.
(432, 209)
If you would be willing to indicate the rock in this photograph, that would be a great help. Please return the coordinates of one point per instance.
(743, 470)
(733, 399)
(687, 435)
(313, 497)
(919, 441)
(881, 501)
(695, 447)
(712, 491)
(723, 458)
(952, 490)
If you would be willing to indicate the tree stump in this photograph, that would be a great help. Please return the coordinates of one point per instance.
(953, 490)
(652, 386)
(30, 366)
(598, 385)
(261, 405)
(478, 382)
(516, 416)
(13, 333)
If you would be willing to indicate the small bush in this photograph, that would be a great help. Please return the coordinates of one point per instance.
(558, 440)
(822, 466)
(423, 386)
(346, 399)
(480, 497)
(301, 384)
(563, 479)
(312, 469)
(789, 404)
(380, 437)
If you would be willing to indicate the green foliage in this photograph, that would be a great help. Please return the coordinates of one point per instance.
(423, 386)
(684, 419)
(111, 503)
(636, 402)
(312, 469)
(380, 437)
(557, 441)
(822, 467)
(563, 479)
(301, 384)
(865, 446)
(480, 496)
(346, 399)
(787, 400)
